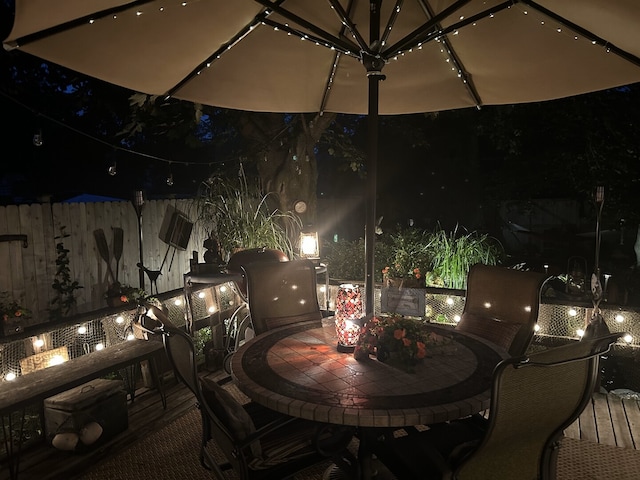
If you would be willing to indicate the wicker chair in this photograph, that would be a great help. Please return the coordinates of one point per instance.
(281, 293)
(501, 305)
(254, 441)
(534, 399)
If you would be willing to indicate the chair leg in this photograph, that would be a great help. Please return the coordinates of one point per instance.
(158, 380)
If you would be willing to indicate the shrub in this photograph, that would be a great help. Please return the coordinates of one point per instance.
(443, 258)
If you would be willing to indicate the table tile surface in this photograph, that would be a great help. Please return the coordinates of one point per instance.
(297, 370)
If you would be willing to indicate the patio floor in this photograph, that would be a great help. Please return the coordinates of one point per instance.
(609, 420)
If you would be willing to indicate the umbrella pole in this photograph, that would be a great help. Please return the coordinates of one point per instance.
(370, 221)
(373, 65)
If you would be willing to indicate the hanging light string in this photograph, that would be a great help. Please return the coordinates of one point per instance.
(40, 115)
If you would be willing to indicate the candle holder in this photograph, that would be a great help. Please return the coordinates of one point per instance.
(348, 317)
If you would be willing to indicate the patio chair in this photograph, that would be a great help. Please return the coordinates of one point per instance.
(240, 327)
(281, 293)
(254, 441)
(501, 305)
(534, 399)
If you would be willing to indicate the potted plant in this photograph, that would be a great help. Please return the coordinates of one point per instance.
(410, 259)
(118, 294)
(239, 216)
(13, 314)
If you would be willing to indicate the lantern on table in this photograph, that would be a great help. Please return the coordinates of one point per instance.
(348, 317)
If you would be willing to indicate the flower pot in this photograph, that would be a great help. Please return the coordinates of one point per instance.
(404, 282)
(115, 301)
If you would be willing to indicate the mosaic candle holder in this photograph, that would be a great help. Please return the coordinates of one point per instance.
(348, 316)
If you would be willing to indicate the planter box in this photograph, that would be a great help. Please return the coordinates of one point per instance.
(403, 301)
(101, 401)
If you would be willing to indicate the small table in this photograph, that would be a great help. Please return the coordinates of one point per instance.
(297, 370)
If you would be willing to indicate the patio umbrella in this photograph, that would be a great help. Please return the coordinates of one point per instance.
(370, 57)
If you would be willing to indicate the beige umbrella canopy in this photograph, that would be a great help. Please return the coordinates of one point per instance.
(436, 54)
(321, 55)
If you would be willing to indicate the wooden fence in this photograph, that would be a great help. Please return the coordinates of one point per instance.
(28, 267)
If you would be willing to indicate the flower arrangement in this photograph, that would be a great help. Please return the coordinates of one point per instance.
(120, 294)
(396, 277)
(9, 308)
(410, 261)
(397, 340)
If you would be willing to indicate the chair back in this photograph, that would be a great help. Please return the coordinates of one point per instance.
(502, 305)
(252, 255)
(223, 418)
(281, 293)
(534, 399)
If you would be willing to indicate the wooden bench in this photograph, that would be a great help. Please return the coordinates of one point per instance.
(33, 388)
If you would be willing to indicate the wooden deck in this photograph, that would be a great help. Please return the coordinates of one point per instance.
(608, 420)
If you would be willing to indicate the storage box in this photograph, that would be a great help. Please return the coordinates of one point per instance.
(76, 411)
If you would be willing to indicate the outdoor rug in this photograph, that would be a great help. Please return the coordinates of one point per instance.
(172, 453)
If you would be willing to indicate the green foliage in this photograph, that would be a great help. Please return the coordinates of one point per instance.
(64, 286)
(454, 253)
(200, 339)
(442, 257)
(410, 254)
(238, 215)
(346, 260)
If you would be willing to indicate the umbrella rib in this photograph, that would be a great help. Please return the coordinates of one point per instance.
(462, 72)
(257, 20)
(391, 22)
(584, 32)
(347, 23)
(430, 31)
(425, 30)
(47, 32)
(327, 88)
(326, 36)
(351, 51)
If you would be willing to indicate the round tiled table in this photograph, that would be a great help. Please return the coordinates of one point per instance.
(298, 371)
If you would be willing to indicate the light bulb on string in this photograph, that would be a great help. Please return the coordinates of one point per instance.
(112, 169)
(169, 180)
(37, 138)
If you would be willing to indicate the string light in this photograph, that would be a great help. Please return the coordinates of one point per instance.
(112, 169)
(37, 138)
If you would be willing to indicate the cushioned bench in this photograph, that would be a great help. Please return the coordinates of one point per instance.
(35, 387)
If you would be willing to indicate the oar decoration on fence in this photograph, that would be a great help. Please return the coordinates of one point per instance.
(103, 249)
(118, 243)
